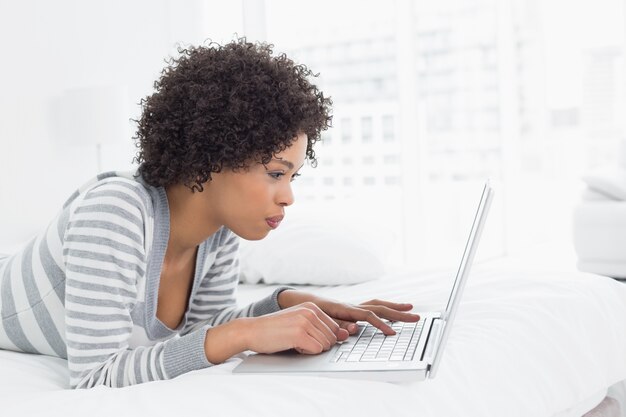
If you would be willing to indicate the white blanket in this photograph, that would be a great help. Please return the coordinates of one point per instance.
(525, 343)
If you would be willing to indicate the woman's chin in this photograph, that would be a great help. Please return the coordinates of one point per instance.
(257, 235)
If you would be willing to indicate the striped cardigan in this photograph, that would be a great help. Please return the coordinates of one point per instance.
(86, 288)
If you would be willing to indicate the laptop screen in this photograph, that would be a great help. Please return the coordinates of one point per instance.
(462, 273)
(466, 253)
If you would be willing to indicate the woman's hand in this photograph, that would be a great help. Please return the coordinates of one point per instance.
(346, 315)
(304, 327)
(306, 323)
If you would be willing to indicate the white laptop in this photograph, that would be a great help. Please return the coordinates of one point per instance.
(413, 353)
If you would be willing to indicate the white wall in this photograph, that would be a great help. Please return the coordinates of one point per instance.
(48, 47)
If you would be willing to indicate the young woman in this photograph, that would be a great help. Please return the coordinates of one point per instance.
(135, 278)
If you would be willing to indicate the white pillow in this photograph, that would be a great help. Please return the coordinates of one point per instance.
(610, 181)
(590, 194)
(313, 250)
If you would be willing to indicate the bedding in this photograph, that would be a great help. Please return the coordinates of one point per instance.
(526, 342)
(609, 180)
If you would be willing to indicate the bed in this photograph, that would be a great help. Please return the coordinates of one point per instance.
(527, 342)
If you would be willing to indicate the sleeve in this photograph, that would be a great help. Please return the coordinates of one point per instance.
(216, 300)
(104, 253)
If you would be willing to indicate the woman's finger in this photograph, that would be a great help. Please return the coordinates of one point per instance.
(309, 346)
(349, 326)
(391, 314)
(323, 322)
(389, 304)
(370, 316)
(348, 312)
(321, 336)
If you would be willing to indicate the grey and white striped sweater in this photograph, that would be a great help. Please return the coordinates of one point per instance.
(86, 288)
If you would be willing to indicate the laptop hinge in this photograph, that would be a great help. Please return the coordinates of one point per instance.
(434, 336)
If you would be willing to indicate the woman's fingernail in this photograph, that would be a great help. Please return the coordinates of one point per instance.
(352, 327)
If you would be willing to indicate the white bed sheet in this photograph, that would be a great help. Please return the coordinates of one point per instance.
(526, 343)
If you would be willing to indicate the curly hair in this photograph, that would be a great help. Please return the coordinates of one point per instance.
(227, 106)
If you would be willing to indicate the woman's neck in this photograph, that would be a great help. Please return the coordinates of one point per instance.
(190, 224)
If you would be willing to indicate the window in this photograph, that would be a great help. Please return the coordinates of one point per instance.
(392, 159)
(366, 129)
(477, 92)
(388, 128)
(368, 160)
(392, 180)
(346, 130)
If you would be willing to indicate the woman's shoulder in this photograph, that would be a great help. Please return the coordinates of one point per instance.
(123, 186)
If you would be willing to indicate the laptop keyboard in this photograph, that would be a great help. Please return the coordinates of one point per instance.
(373, 346)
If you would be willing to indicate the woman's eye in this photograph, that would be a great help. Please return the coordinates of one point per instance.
(277, 175)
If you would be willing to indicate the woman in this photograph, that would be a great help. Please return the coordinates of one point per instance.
(135, 278)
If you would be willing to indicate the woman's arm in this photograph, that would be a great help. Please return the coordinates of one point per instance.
(308, 325)
(304, 327)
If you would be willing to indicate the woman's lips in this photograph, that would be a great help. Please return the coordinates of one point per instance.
(273, 222)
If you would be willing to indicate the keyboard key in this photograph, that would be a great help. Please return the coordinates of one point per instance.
(375, 359)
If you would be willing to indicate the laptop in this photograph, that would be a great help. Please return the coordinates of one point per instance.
(413, 353)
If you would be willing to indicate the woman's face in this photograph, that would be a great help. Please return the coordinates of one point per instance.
(244, 201)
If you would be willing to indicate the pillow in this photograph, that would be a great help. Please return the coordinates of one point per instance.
(590, 194)
(609, 181)
(313, 250)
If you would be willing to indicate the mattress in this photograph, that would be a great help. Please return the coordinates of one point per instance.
(525, 343)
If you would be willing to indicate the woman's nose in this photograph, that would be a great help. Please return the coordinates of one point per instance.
(285, 197)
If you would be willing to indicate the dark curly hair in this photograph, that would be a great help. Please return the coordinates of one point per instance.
(217, 107)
